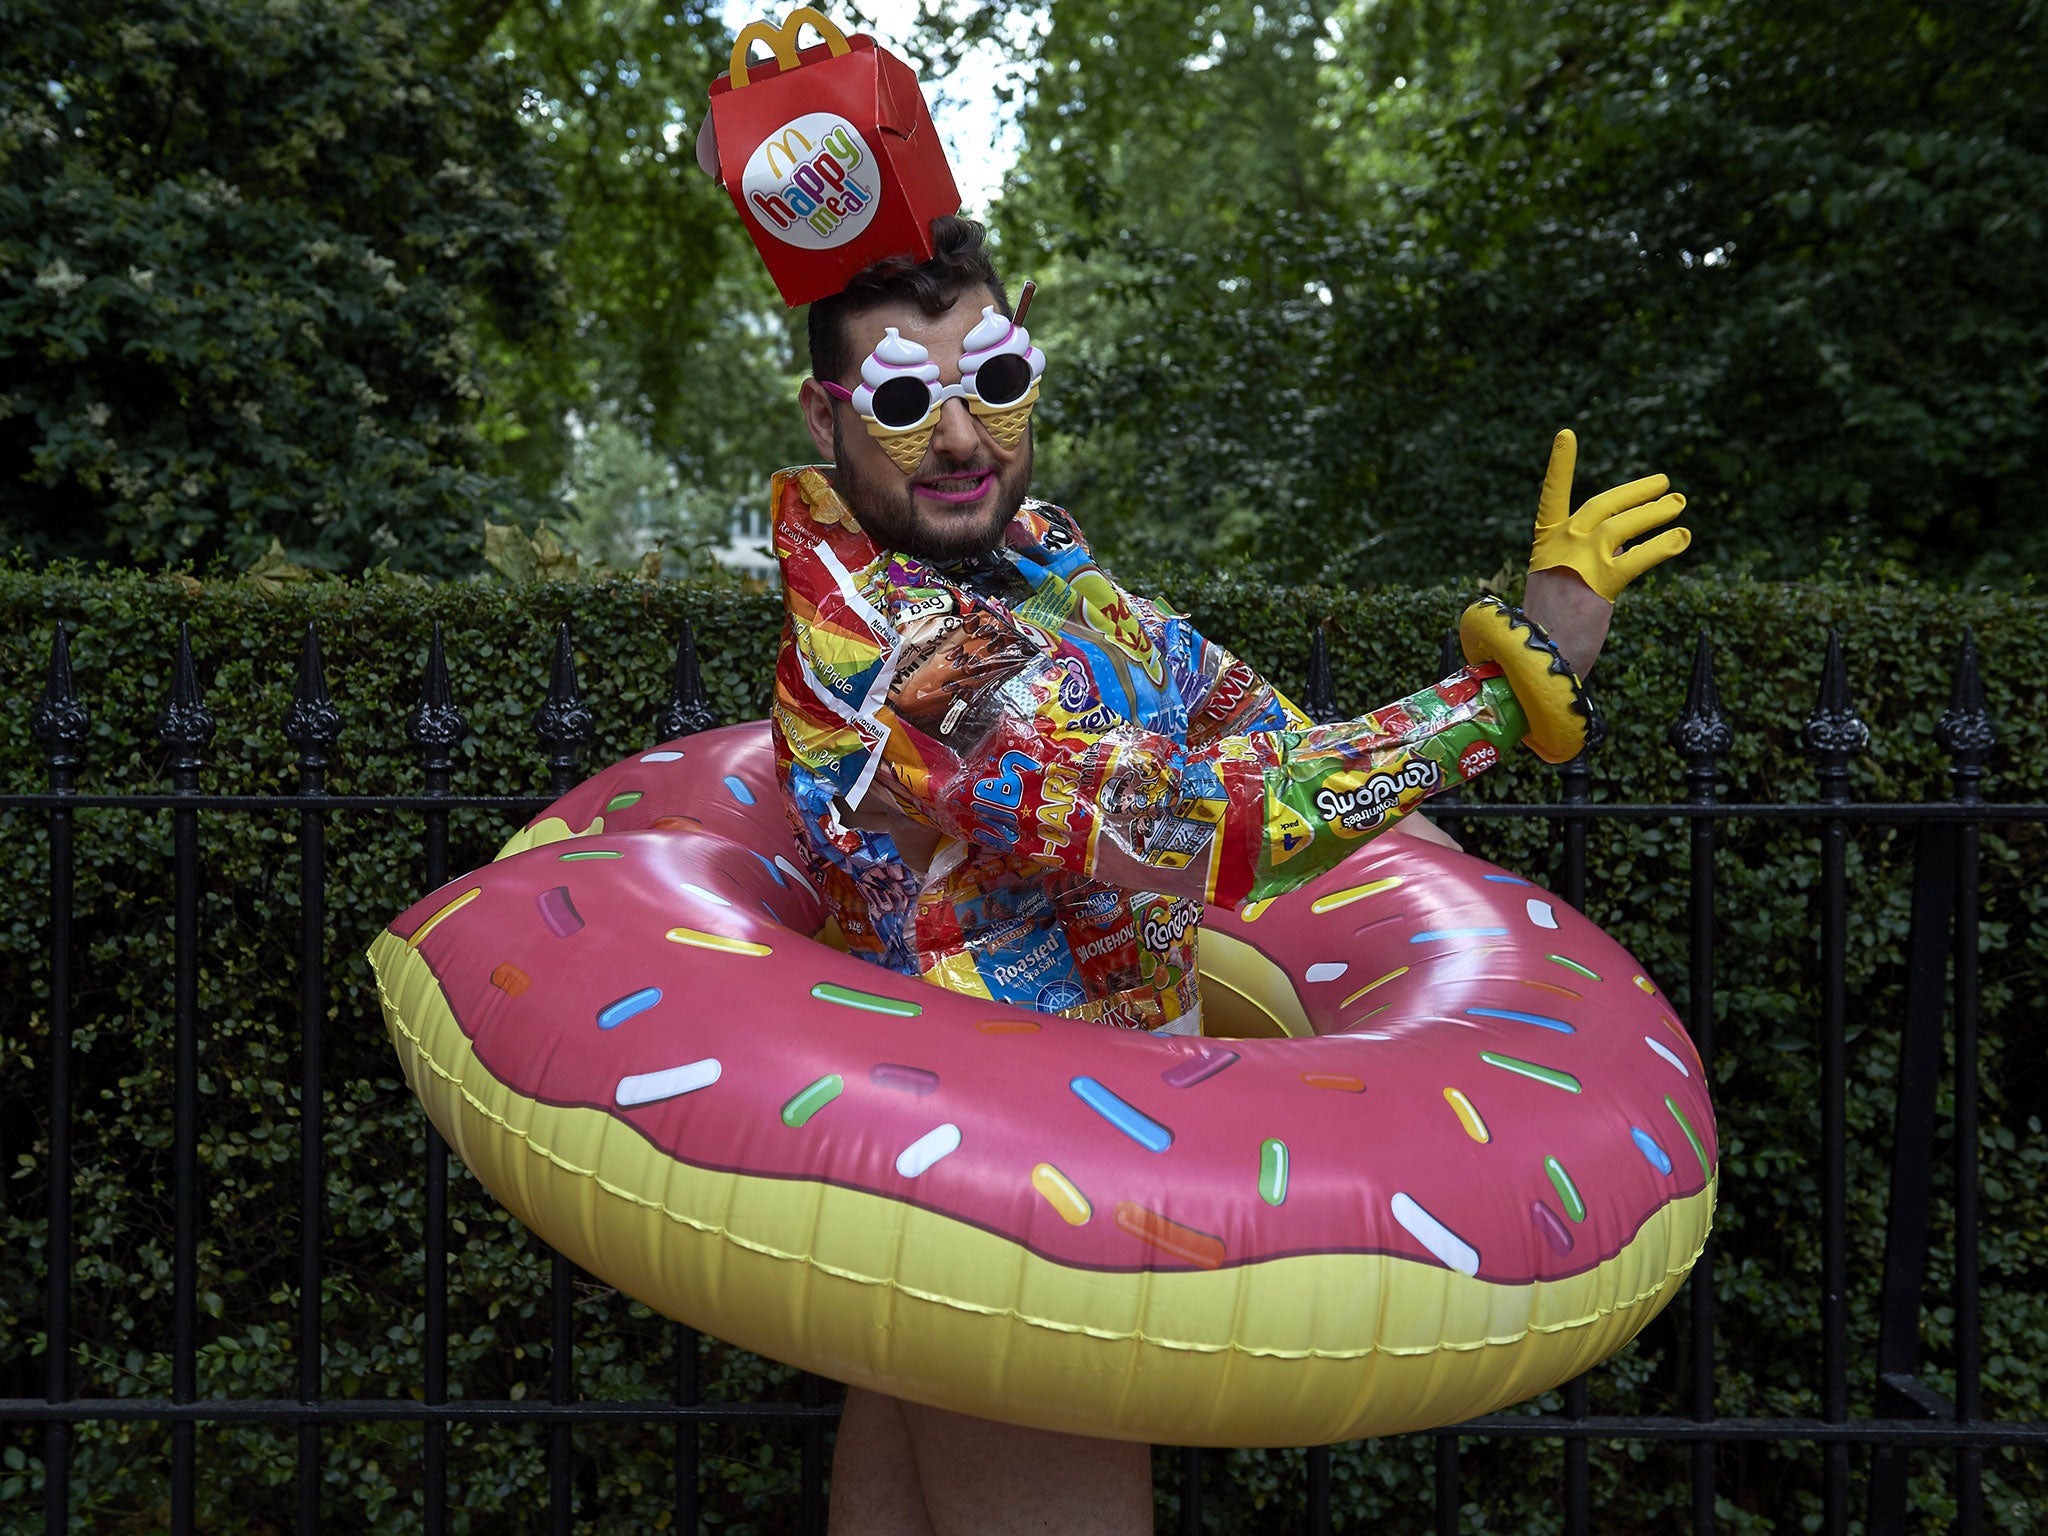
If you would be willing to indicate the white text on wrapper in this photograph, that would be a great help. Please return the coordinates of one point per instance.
(812, 182)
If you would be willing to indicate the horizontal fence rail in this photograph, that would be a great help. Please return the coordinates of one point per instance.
(1913, 1417)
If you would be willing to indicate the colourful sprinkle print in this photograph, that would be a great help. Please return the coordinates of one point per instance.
(1551, 986)
(559, 912)
(1273, 1171)
(1567, 1191)
(678, 824)
(622, 799)
(1573, 965)
(1507, 880)
(1668, 1054)
(796, 1114)
(794, 873)
(591, 853)
(1685, 1125)
(1541, 913)
(1200, 1249)
(1140, 1127)
(1253, 911)
(703, 892)
(1653, 1154)
(1009, 1026)
(1336, 1082)
(1197, 1069)
(940, 1141)
(420, 933)
(1325, 970)
(511, 980)
(1059, 1192)
(614, 1014)
(900, 1079)
(661, 757)
(1399, 970)
(1344, 898)
(846, 997)
(1531, 1070)
(669, 1083)
(718, 941)
(1450, 1249)
(1433, 935)
(1646, 985)
(1541, 1021)
(769, 865)
(1553, 1230)
(1468, 1115)
(740, 792)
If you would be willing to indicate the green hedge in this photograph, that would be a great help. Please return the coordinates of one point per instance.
(1900, 643)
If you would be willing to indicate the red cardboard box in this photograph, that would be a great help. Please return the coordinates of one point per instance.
(829, 154)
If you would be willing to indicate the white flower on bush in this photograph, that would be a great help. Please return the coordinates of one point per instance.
(143, 278)
(98, 414)
(59, 279)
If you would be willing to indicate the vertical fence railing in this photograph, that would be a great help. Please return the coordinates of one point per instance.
(1702, 736)
(435, 729)
(1967, 731)
(313, 726)
(59, 725)
(1834, 734)
(185, 729)
(1911, 1416)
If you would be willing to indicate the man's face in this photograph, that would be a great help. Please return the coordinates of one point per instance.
(958, 500)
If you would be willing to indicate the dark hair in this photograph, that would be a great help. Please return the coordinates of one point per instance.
(959, 261)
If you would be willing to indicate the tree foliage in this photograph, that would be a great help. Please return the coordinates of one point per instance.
(1347, 267)
(253, 263)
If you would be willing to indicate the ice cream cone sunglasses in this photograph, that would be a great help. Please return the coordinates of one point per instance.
(900, 395)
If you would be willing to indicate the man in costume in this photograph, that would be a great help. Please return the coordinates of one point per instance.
(1014, 778)
(1018, 780)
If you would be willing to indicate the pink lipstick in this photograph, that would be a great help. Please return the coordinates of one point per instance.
(975, 487)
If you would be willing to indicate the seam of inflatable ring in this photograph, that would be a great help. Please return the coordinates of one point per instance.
(1011, 1313)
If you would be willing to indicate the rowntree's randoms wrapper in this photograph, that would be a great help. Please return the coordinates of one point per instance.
(829, 154)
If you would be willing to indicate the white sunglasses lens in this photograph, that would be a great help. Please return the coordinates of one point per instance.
(1003, 380)
(902, 403)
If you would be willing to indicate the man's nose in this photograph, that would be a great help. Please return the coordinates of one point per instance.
(956, 437)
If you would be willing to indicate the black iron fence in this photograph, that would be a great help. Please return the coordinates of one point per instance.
(1942, 987)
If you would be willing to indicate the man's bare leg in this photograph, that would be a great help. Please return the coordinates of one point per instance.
(987, 1479)
(905, 1470)
(875, 1489)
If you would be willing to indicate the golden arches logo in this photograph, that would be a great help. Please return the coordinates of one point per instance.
(781, 147)
(781, 40)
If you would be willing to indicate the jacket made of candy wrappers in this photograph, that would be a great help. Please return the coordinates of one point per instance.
(1016, 780)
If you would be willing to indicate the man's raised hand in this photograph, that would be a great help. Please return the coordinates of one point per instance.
(1589, 541)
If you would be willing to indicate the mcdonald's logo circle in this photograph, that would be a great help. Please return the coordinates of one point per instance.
(813, 183)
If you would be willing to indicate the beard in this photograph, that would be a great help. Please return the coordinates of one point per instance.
(887, 508)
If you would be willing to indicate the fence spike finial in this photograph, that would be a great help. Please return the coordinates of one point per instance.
(1966, 730)
(1452, 657)
(60, 721)
(186, 725)
(688, 709)
(1834, 732)
(1321, 694)
(1702, 732)
(312, 724)
(436, 727)
(564, 722)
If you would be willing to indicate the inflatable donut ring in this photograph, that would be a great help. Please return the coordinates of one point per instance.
(1461, 1151)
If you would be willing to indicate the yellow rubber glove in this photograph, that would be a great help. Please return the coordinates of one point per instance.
(1589, 541)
